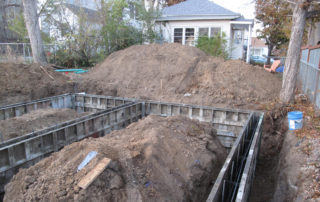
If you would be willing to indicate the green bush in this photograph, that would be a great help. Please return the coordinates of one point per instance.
(215, 46)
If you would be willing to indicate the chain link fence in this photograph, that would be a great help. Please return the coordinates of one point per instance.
(309, 74)
(22, 53)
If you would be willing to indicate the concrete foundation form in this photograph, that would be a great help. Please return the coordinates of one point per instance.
(238, 130)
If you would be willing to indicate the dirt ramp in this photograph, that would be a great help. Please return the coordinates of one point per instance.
(177, 73)
(155, 159)
(21, 82)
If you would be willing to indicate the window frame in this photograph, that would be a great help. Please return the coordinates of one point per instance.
(182, 35)
(192, 42)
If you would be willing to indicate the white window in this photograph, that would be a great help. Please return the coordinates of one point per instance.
(178, 35)
(204, 32)
(189, 36)
(215, 31)
(237, 37)
(209, 32)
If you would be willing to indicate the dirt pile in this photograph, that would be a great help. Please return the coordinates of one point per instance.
(173, 72)
(155, 159)
(21, 82)
(35, 120)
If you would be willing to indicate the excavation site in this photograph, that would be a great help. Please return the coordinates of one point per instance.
(149, 123)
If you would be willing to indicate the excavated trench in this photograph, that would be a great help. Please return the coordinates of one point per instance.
(239, 131)
(268, 163)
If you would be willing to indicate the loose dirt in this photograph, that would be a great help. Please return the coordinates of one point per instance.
(21, 82)
(299, 165)
(35, 120)
(176, 73)
(173, 72)
(154, 159)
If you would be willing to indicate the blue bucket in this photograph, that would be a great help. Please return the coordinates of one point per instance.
(295, 120)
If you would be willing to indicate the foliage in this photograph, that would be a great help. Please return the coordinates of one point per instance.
(173, 2)
(81, 47)
(90, 39)
(273, 14)
(117, 33)
(112, 30)
(147, 20)
(215, 46)
(18, 26)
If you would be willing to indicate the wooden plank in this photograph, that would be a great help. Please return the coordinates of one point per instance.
(94, 173)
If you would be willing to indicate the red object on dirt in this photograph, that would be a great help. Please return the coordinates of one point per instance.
(95, 135)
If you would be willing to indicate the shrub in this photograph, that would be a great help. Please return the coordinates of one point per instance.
(215, 46)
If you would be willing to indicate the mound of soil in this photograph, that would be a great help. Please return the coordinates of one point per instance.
(155, 159)
(35, 120)
(21, 82)
(173, 72)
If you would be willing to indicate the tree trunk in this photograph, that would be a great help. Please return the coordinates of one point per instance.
(3, 33)
(32, 24)
(270, 47)
(293, 56)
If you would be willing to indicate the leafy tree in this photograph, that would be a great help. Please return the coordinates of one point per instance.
(147, 17)
(273, 14)
(215, 46)
(116, 30)
(303, 9)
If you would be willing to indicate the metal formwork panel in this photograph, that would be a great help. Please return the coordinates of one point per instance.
(238, 162)
(33, 147)
(228, 123)
(60, 101)
(93, 103)
(250, 166)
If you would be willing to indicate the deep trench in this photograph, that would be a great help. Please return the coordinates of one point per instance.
(265, 181)
(267, 167)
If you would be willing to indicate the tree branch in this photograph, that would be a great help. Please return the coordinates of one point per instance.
(10, 5)
(291, 2)
(312, 13)
(43, 7)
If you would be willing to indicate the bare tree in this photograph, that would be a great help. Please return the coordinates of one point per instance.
(302, 10)
(32, 24)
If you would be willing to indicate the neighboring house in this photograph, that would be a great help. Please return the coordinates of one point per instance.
(68, 14)
(185, 22)
(71, 10)
(258, 47)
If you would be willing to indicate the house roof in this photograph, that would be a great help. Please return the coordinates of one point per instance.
(242, 19)
(258, 43)
(197, 10)
(92, 15)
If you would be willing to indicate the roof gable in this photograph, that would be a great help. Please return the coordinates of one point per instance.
(198, 8)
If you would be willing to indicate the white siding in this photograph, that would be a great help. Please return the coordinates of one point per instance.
(167, 29)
